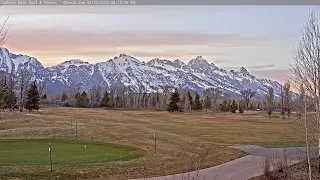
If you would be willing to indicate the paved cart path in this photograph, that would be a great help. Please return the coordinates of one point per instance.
(242, 168)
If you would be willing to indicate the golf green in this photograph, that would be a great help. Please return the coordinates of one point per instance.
(63, 152)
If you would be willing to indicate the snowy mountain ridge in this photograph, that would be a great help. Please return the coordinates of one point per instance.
(125, 70)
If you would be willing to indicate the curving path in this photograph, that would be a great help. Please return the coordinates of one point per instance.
(242, 168)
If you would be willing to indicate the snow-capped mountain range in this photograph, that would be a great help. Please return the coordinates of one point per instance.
(198, 74)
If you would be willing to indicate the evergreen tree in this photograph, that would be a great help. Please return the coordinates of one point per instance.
(158, 97)
(223, 106)
(207, 103)
(197, 103)
(105, 100)
(64, 97)
(174, 100)
(10, 97)
(241, 107)
(131, 102)
(190, 100)
(154, 101)
(234, 106)
(77, 97)
(228, 107)
(33, 97)
(82, 100)
(44, 96)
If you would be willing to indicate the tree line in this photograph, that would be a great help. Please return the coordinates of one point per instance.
(30, 93)
(179, 100)
(23, 94)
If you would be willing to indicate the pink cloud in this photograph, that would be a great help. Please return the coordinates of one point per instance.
(58, 39)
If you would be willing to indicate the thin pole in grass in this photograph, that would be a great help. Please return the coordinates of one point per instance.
(46, 118)
(76, 130)
(155, 143)
(50, 156)
(71, 121)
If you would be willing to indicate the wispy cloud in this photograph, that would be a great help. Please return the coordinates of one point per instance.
(96, 46)
(221, 61)
(253, 67)
(278, 75)
(60, 39)
(264, 66)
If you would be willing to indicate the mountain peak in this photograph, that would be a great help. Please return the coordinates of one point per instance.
(124, 55)
(243, 70)
(199, 60)
(4, 50)
(74, 61)
(177, 61)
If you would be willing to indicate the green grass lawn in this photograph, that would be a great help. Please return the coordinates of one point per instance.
(63, 152)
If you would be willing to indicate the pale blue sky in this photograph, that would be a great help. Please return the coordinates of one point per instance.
(261, 38)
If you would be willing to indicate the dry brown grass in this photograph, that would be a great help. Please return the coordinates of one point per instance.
(205, 138)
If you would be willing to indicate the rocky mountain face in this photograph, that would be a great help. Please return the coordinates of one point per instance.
(125, 70)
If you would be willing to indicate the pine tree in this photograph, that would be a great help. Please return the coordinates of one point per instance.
(64, 97)
(174, 100)
(241, 107)
(10, 97)
(197, 103)
(190, 101)
(234, 106)
(228, 107)
(131, 102)
(105, 100)
(154, 101)
(33, 97)
(207, 103)
(77, 97)
(44, 96)
(223, 106)
(82, 100)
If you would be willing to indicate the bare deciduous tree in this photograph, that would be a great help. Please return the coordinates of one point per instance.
(287, 98)
(24, 77)
(306, 67)
(270, 101)
(214, 94)
(247, 95)
(4, 31)
(304, 100)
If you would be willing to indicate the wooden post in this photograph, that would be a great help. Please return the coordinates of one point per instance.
(50, 156)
